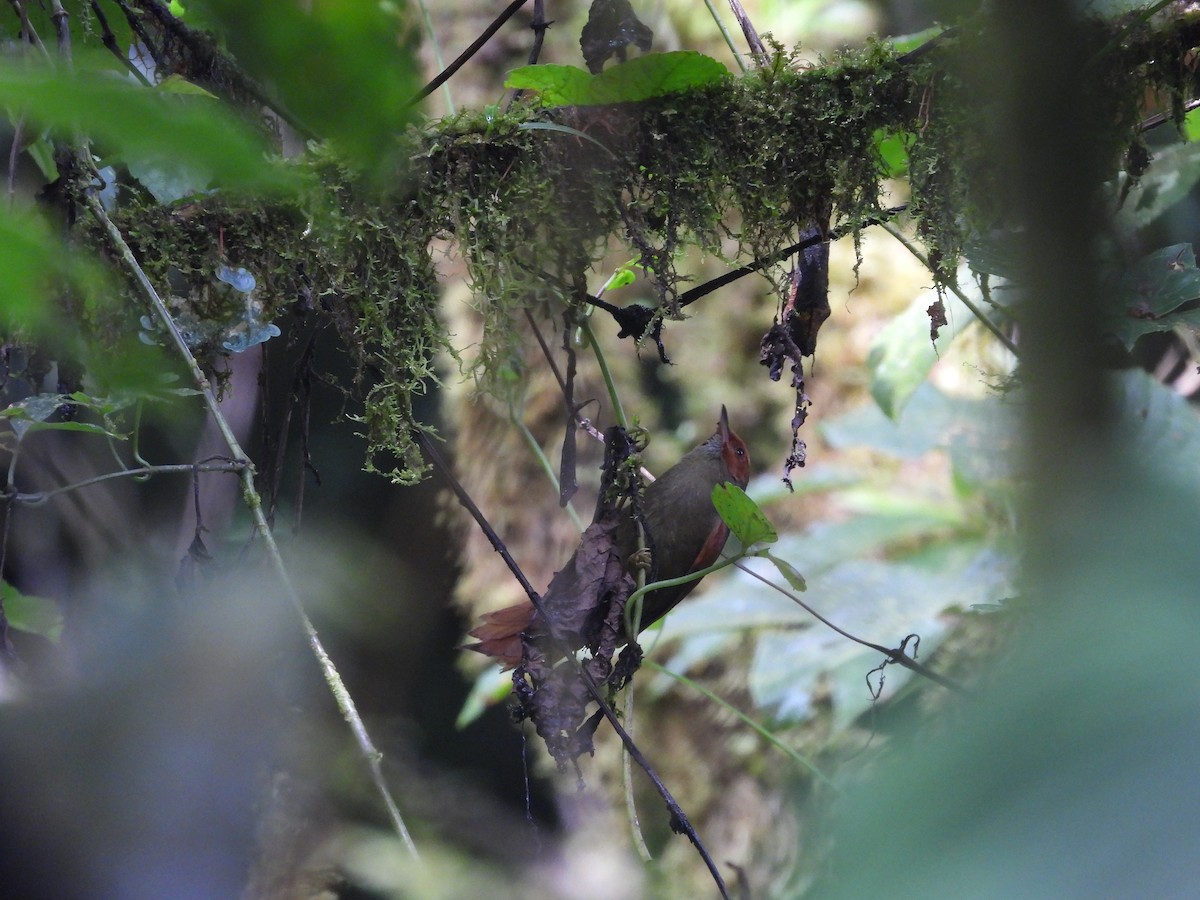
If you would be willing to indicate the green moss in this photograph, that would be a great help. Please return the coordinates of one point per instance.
(540, 192)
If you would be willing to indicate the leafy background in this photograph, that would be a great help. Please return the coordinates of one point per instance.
(923, 459)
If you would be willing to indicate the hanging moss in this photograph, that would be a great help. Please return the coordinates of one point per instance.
(532, 197)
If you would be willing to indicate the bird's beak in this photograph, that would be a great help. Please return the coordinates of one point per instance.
(723, 424)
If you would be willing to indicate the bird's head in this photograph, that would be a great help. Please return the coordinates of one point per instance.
(734, 453)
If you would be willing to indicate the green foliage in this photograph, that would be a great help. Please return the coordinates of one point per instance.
(638, 79)
(175, 132)
(35, 265)
(1082, 729)
(34, 412)
(345, 71)
(904, 351)
(1156, 294)
(36, 615)
(1172, 175)
(676, 154)
(745, 520)
(901, 558)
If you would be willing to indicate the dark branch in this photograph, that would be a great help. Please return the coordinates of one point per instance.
(447, 73)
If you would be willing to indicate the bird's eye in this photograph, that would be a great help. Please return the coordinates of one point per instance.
(740, 451)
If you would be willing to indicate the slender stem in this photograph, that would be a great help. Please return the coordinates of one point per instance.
(110, 41)
(14, 151)
(737, 54)
(635, 824)
(896, 655)
(1141, 17)
(954, 289)
(609, 383)
(436, 46)
(633, 606)
(27, 30)
(752, 39)
(40, 497)
(253, 501)
(446, 74)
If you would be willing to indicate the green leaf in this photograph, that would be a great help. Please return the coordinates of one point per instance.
(557, 85)
(38, 407)
(902, 354)
(906, 42)
(42, 153)
(747, 522)
(30, 259)
(790, 573)
(879, 601)
(893, 150)
(491, 687)
(347, 71)
(1191, 125)
(1158, 424)
(1153, 290)
(623, 277)
(177, 84)
(1171, 177)
(178, 133)
(31, 414)
(36, 615)
(637, 79)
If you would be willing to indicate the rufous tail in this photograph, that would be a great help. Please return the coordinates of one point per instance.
(499, 634)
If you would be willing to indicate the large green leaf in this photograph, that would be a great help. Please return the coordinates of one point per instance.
(34, 264)
(881, 602)
(37, 615)
(638, 79)
(177, 133)
(1152, 293)
(347, 71)
(903, 353)
(747, 522)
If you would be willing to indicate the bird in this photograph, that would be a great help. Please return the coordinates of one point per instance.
(685, 534)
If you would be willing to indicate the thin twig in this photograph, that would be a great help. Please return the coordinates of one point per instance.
(1162, 118)
(679, 820)
(38, 498)
(447, 73)
(687, 298)
(136, 26)
(737, 54)
(62, 30)
(14, 150)
(539, 25)
(110, 41)
(748, 29)
(897, 656)
(635, 824)
(27, 30)
(436, 45)
(254, 502)
(540, 455)
(206, 52)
